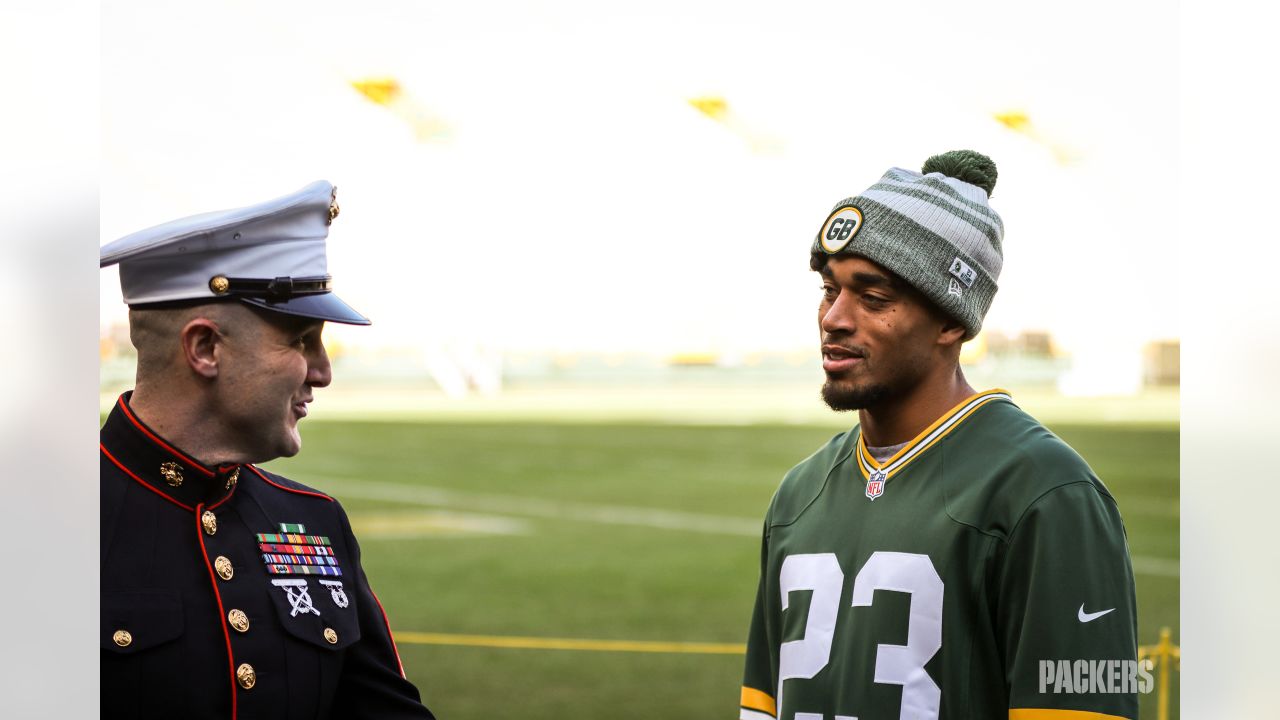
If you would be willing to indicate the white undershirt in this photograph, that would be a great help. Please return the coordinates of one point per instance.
(884, 453)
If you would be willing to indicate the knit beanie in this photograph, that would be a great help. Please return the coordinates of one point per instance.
(934, 229)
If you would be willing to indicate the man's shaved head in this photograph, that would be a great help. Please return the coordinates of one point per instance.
(154, 332)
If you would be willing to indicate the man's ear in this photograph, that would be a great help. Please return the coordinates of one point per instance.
(200, 339)
(951, 332)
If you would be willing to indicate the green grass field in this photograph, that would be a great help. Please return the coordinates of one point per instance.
(610, 531)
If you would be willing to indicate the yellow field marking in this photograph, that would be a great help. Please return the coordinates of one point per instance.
(547, 643)
(415, 524)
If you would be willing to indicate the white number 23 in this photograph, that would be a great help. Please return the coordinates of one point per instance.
(903, 665)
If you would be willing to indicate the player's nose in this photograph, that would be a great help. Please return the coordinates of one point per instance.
(838, 317)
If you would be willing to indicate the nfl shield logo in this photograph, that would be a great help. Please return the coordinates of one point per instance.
(875, 485)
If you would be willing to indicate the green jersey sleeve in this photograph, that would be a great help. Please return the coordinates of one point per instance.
(759, 677)
(1066, 615)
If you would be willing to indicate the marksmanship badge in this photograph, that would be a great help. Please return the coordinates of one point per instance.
(299, 598)
(336, 592)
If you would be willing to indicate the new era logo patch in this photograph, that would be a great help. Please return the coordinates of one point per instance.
(963, 272)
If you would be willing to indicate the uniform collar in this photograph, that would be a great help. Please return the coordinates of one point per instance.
(151, 460)
(927, 438)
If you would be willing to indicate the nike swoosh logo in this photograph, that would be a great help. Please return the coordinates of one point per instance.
(1088, 617)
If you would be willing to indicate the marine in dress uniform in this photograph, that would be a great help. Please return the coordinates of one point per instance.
(228, 591)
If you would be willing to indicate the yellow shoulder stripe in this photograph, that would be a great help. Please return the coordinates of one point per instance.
(1048, 714)
(753, 699)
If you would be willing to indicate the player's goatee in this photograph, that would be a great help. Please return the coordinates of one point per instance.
(841, 397)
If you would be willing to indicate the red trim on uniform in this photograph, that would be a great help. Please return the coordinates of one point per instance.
(156, 439)
(222, 615)
(141, 482)
(389, 635)
(288, 489)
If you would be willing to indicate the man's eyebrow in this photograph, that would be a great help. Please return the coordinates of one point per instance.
(295, 325)
(825, 271)
(868, 279)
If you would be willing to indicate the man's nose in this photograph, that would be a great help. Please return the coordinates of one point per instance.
(839, 316)
(319, 369)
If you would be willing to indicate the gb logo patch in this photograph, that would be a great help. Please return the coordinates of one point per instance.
(839, 229)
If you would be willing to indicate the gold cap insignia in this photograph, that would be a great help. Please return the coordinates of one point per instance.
(333, 207)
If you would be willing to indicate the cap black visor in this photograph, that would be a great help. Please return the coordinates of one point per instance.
(325, 306)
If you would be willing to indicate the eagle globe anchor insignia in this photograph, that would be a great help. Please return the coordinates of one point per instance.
(875, 484)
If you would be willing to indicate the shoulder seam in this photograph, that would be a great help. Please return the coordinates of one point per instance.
(826, 478)
(821, 489)
(295, 491)
(1084, 481)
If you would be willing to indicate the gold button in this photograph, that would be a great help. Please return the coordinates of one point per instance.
(238, 620)
(234, 478)
(210, 522)
(219, 284)
(331, 635)
(246, 676)
(172, 473)
(122, 638)
(223, 566)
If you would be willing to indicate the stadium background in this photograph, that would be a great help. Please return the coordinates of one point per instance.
(582, 235)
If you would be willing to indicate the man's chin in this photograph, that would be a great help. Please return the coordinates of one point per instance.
(290, 444)
(843, 396)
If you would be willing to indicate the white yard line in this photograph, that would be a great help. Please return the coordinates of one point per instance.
(535, 507)
(429, 496)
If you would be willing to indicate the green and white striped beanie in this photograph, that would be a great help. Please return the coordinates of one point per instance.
(934, 229)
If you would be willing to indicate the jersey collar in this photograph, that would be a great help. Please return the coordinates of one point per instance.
(952, 419)
(141, 453)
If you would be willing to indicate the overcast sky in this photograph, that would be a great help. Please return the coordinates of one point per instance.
(570, 198)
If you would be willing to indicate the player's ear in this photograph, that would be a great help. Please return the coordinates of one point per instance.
(200, 339)
(951, 332)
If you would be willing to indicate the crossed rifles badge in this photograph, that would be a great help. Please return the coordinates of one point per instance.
(299, 598)
(293, 552)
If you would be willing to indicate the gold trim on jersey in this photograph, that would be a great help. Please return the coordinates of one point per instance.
(753, 699)
(927, 438)
(1049, 714)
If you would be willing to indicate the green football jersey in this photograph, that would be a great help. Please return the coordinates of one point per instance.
(961, 578)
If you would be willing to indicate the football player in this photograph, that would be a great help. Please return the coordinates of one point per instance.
(948, 557)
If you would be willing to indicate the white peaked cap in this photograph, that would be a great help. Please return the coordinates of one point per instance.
(271, 255)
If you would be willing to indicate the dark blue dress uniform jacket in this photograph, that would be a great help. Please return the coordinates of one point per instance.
(192, 624)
